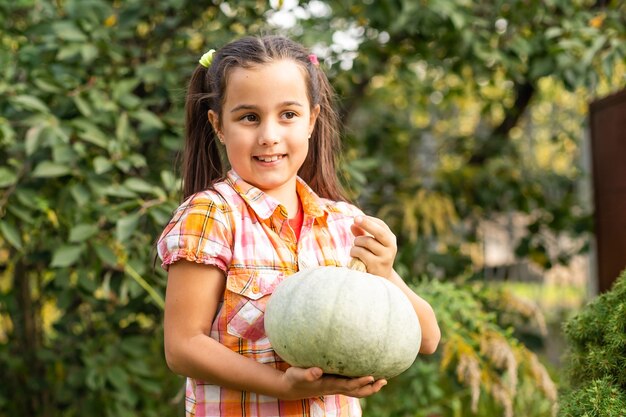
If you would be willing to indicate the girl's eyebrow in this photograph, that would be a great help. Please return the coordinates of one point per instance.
(253, 107)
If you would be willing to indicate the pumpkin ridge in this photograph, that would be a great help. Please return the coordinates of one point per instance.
(332, 323)
(388, 334)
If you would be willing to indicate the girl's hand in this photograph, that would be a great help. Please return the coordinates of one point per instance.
(310, 382)
(375, 245)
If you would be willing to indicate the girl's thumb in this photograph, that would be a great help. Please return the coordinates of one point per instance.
(315, 373)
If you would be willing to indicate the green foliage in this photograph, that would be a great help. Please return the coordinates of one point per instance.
(596, 357)
(442, 92)
(596, 398)
(451, 94)
(90, 105)
(480, 367)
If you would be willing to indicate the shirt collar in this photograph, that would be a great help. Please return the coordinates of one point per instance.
(265, 205)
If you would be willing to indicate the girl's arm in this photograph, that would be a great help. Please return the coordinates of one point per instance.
(375, 245)
(191, 301)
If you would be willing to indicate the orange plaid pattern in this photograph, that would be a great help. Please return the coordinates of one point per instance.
(246, 233)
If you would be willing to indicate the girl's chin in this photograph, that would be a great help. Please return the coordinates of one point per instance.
(271, 183)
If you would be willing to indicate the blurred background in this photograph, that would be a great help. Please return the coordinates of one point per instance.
(466, 128)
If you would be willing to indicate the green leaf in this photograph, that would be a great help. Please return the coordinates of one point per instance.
(126, 226)
(48, 169)
(94, 379)
(86, 282)
(121, 130)
(91, 133)
(118, 378)
(101, 165)
(541, 67)
(63, 154)
(6, 132)
(138, 185)
(28, 197)
(169, 180)
(591, 53)
(106, 255)
(148, 119)
(553, 32)
(11, 234)
(82, 232)
(32, 139)
(153, 292)
(160, 215)
(88, 53)
(66, 255)
(134, 347)
(80, 193)
(116, 190)
(68, 31)
(68, 52)
(47, 86)
(124, 86)
(82, 105)
(137, 160)
(8, 177)
(29, 103)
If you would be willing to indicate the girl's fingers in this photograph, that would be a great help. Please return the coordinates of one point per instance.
(356, 387)
(365, 255)
(376, 228)
(310, 382)
(370, 243)
(367, 390)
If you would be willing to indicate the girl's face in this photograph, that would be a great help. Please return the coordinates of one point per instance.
(265, 125)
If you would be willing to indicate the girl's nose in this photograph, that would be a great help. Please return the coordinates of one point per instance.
(269, 134)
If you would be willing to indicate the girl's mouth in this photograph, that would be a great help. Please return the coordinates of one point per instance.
(268, 158)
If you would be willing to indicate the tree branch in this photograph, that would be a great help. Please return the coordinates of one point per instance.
(492, 144)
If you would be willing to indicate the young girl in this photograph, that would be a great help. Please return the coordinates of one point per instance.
(278, 208)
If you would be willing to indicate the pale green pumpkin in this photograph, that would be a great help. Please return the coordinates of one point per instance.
(344, 321)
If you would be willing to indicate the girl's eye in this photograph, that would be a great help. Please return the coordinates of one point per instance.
(249, 118)
(289, 115)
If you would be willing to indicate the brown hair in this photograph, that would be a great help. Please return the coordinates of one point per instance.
(203, 162)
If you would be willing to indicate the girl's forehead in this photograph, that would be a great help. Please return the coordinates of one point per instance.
(282, 79)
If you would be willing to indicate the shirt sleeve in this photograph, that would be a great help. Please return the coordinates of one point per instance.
(199, 231)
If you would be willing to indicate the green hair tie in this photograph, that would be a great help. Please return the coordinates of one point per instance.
(207, 58)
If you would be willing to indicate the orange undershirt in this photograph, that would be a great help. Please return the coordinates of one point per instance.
(296, 221)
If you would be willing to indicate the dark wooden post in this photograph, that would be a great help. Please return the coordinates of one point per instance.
(608, 148)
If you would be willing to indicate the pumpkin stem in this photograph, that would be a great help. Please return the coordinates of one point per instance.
(357, 265)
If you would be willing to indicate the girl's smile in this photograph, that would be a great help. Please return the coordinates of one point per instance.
(265, 125)
(269, 158)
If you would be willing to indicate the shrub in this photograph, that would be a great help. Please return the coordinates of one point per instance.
(596, 357)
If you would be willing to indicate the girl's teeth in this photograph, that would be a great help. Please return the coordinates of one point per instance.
(269, 158)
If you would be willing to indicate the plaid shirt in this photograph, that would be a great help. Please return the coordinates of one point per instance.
(246, 233)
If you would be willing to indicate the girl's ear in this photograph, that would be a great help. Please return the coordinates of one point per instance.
(315, 111)
(214, 119)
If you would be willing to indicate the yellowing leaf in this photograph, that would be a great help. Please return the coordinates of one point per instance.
(597, 21)
(110, 21)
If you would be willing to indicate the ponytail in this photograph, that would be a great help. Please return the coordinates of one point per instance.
(202, 162)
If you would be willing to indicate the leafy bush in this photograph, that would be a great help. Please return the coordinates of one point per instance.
(90, 121)
(596, 357)
(480, 367)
